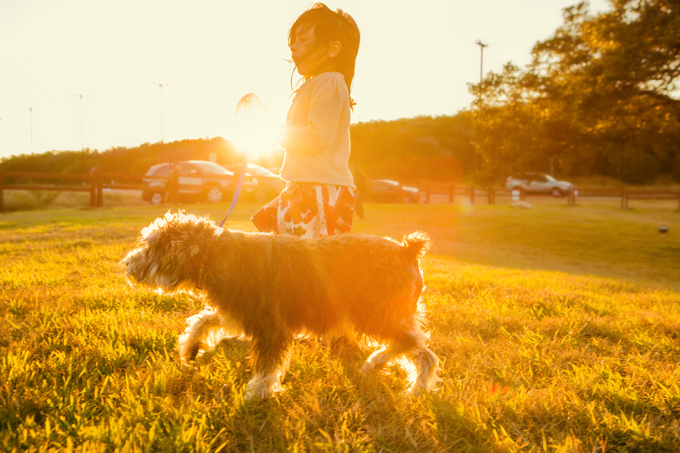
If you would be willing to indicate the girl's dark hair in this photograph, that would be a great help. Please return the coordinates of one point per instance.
(332, 26)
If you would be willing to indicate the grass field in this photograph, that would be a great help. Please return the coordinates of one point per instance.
(558, 329)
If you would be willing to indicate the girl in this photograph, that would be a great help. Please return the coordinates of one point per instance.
(318, 199)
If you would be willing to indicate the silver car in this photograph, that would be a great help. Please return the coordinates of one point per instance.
(538, 183)
(197, 179)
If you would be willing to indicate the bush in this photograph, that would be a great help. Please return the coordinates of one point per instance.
(639, 169)
(675, 174)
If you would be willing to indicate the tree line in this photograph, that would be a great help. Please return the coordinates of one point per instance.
(407, 149)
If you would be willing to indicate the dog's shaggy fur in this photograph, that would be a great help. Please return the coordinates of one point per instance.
(270, 288)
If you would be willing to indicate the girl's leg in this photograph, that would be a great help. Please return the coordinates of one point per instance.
(265, 219)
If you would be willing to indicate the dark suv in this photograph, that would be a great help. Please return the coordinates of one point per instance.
(388, 191)
(198, 180)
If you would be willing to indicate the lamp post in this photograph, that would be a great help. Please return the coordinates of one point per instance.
(82, 141)
(30, 109)
(481, 68)
(481, 89)
(161, 87)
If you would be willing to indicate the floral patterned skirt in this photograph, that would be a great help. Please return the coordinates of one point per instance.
(308, 210)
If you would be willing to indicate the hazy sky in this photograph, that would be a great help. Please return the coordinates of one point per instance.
(416, 58)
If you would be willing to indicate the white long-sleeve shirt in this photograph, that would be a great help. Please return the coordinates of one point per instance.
(316, 136)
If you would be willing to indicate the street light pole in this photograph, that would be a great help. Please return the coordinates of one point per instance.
(481, 67)
(480, 161)
(82, 134)
(30, 109)
(82, 140)
(161, 87)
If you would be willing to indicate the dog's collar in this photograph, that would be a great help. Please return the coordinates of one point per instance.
(200, 275)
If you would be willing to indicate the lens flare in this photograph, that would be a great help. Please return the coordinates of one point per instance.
(256, 133)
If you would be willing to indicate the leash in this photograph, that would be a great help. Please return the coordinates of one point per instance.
(200, 275)
(239, 185)
(250, 97)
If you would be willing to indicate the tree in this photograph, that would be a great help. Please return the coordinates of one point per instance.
(599, 95)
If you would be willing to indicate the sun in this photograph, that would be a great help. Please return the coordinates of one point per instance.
(256, 132)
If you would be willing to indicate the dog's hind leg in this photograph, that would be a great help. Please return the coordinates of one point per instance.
(381, 357)
(204, 330)
(411, 344)
(425, 361)
(270, 355)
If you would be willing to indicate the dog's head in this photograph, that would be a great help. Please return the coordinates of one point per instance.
(170, 251)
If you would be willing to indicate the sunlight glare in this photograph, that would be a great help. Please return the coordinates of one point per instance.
(256, 131)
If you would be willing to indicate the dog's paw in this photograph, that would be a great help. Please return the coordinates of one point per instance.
(262, 386)
(188, 353)
(255, 393)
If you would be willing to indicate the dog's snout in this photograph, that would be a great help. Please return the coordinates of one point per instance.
(128, 262)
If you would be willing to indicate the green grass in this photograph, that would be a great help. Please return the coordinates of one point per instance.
(558, 329)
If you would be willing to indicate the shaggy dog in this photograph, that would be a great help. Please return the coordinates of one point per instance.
(271, 288)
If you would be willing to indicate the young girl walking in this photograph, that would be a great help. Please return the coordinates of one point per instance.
(318, 199)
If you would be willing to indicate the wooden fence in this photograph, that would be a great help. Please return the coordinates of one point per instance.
(454, 192)
(88, 184)
(95, 185)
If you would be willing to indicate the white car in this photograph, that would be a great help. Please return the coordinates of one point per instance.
(538, 183)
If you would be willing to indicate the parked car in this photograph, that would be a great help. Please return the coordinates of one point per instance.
(538, 183)
(387, 191)
(269, 184)
(198, 180)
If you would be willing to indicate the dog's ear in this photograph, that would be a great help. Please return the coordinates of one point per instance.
(157, 233)
(151, 236)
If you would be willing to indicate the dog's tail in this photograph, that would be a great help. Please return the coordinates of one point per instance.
(416, 244)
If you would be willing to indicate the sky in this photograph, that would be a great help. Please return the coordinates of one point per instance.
(416, 58)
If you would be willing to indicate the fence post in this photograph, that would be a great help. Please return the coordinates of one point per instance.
(624, 198)
(1, 194)
(100, 186)
(491, 195)
(472, 194)
(571, 198)
(2, 188)
(522, 194)
(452, 189)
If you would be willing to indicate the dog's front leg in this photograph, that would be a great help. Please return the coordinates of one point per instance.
(204, 330)
(270, 355)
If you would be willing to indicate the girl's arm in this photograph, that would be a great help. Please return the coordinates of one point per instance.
(325, 109)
